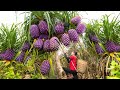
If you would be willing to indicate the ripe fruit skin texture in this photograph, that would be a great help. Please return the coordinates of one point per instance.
(76, 20)
(73, 35)
(45, 67)
(2, 55)
(8, 55)
(117, 48)
(54, 45)
(46, 45)
(99, 50)
(26, 46)
(59, 28)
(34, 31)
(38, 44)
(93, 38)
(43, 27)
(110, 46)
(65, 39)
(20, 58)
(80, 28)
(43, 36)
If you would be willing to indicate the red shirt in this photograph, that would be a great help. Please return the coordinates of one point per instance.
(73, 62)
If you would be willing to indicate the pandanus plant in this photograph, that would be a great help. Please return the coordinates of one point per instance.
(11, 41)
(45, 27)
(108, 37)
(91, 38)
(112, 39)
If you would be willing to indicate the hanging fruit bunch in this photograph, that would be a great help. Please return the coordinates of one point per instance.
(92, 38)
(75, 28)
(45, 67)
(10, 42)
(48, 28)
(64, 26)
(104, 37)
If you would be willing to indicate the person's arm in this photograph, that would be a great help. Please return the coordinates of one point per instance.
(67, 58)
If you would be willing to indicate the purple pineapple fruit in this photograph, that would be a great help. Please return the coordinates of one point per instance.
(99, 50)
(76, 20)
(43, 36)
(20, 58)
(46, 46)
(8, 55)
(38, 44)
(117, 48)
(73, 35)
(26, 46)
(54, 45)
(93, 38)
(45, 67)
(65, 39)
(80, 28)
(34, 31)
(59, 28)
(110, 46)
(43, 26)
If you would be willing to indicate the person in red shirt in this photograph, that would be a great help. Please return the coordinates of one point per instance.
(72, 60)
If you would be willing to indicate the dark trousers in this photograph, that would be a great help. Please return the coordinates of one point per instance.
(74, 73)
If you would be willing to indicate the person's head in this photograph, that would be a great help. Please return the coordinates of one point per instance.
(74, 53)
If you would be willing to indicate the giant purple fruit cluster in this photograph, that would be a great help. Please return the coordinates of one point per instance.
(54, 45)
(80, 28)
(34, 31)
(59, 28)
(76, 20)
(20, 58)
(110, 46)
(46, 46)
(26, 46)
(65, 39)
(99, 50)
(8, 55)
(64, 36)
(38, 44)
(93, 38)
(43, 26)
(45, 67)
(73, 35)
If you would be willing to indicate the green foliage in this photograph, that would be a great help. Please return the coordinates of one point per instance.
(110, 27)
(36, 76)
(104, 29)
(114, 70)
(11, 72)
(11, 37)
(16, 70)
(92, 27)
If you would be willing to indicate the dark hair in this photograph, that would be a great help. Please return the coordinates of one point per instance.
(75, 52)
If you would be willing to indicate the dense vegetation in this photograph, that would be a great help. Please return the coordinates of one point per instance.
(28, 50)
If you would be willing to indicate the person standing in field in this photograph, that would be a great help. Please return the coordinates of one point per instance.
(72, 60)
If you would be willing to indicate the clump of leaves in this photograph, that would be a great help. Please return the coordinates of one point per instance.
(17, 70)
(10, 71)
(11, 37)
(114, 71)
